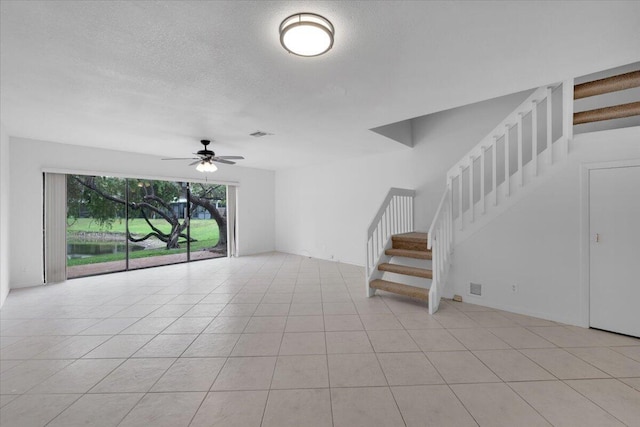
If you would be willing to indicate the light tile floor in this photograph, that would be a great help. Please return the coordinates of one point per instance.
(282, 340)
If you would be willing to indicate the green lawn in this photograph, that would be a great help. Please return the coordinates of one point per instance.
(205, 231)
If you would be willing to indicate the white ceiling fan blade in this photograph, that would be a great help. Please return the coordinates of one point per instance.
(219, 160)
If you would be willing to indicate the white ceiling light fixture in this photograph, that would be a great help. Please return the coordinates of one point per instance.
(206, 166)
(306, 34)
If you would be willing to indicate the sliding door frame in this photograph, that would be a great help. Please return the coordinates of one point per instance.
(231, 250)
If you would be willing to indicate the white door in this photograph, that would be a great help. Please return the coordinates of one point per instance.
(614, 222)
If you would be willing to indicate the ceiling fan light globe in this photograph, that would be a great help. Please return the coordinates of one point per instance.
(206, 166)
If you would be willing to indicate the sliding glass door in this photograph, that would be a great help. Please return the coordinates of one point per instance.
(116, 224)
(157, 225)
(96, 222)
(208, 209)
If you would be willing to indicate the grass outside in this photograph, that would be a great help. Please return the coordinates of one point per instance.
(205, 231)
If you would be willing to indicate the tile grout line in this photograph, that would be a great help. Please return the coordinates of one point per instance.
(326, 355)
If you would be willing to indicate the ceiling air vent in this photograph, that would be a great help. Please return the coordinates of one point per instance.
(259, 133)
(475, 289)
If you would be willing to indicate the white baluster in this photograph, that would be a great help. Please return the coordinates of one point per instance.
(507, 172)
(383, 227)
(567, 111)
(439, 242)
(397, 211)
(482, 160)
(411, 212)
(399, 202)
(450, 210)
(494, 170)
(385, 234)
(534, 137)
(450, 227)
(471, 173)
(446, 225)
(390, 216)
(406, 215)
(439, 252)
(388, 222)
(520, 171)
(550, 124)
(460, 200)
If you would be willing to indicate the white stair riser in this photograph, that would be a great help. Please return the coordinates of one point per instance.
(418, 282)
(411, 262)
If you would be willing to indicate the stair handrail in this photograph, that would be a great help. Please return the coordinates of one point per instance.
(439, 241)
(395, 216)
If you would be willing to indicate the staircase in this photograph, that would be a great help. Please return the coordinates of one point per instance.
(489, 179)
(417, 271)
(407, 245)
(526, 145)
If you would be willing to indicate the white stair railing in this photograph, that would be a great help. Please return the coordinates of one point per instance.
(521, 134)
(395, 216)
(440, 242)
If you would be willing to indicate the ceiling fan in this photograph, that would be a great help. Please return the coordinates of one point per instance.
(206, 158)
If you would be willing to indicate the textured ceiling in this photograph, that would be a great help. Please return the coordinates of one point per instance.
(155, 77)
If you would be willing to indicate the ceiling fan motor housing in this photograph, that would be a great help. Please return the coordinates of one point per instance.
(205, 152)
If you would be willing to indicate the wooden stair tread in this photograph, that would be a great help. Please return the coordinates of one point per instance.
(409, 253)
(411, 237)
(399, 288)
(410, 241)
(406, 270)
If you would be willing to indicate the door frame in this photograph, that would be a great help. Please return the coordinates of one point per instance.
(585, 232)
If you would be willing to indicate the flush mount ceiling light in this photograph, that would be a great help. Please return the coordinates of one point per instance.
(306, 34)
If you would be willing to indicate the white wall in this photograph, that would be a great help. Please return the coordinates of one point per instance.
(29, 157)
(4, 215)
(536, 244)
(324, 211)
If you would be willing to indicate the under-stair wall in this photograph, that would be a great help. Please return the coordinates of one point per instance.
(529, 260)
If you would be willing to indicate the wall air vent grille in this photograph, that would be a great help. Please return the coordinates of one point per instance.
(475, 289)
(259, 133)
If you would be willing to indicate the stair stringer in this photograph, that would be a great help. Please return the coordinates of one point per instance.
(375, 273)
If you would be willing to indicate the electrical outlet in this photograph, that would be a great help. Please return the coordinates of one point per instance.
(514, 288)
